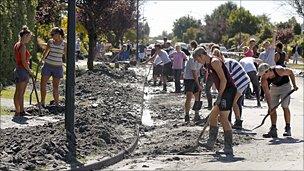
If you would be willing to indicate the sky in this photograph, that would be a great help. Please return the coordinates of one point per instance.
(160, 14)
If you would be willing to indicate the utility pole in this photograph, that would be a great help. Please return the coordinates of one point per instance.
(137, 27)
(70, 80)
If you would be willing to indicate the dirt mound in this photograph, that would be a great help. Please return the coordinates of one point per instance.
(170, 135)
(107, 111)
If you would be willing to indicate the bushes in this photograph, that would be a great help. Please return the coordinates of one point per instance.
(13, 15)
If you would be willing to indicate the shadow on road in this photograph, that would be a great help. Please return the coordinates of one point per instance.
(226, 158)
(287, 140)
(20, 119)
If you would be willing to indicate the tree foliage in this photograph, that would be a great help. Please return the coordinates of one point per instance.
(217, 22)
(181, 25)
(11, 23)
(242, 20)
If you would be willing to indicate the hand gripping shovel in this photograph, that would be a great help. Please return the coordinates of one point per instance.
(197, 143)
(274, 109)
(36, 75)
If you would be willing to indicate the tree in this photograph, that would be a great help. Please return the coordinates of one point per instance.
(217, 22)
(285, 35)
(297, 29)
(190, 34)
(242, 20)
(298, 5)
(93, 14)
(181, 25)
(122, 13)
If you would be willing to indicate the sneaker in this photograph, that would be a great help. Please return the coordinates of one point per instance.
(272, 133)
(287, 131)
(187, 118)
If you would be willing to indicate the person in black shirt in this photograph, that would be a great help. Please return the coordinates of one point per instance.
(278, 76)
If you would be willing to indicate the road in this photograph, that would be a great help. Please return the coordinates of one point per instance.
(261, 154)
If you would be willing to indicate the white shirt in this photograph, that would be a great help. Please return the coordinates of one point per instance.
(157, 61)
(191, 65)
(248, 64)
(164, 56)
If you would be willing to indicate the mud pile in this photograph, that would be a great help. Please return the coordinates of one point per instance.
(107, 111)
(170, 135)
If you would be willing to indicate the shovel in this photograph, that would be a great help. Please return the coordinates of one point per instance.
(263, 121)
(36, 93)
(36, 75)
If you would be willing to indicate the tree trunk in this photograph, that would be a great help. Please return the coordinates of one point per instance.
(92, 43)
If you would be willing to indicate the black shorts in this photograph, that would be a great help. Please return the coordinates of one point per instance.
(190, 85)
(227, 99)
(167, 69)
(157, 70)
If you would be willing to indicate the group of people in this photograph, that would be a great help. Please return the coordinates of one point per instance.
(52, 66)
(232, 78)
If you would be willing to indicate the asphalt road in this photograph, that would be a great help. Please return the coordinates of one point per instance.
(262, 154)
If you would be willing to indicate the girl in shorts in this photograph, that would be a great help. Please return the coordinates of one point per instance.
(22, 71)
(53, 62)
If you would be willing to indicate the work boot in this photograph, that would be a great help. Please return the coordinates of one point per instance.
(287, 131)
(237, 124)
(197, 117)
(154, 83)
(272, 133)
(227, 144)
(187, 118)
(212, 138)
(164, 88)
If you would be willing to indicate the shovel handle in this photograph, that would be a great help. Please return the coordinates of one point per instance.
(276, 106)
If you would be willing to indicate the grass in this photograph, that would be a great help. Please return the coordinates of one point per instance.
(8, 93)
(296, 66)
(5, 111)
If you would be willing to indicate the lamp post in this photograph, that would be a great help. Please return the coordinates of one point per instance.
(137, 27)
(70, 80)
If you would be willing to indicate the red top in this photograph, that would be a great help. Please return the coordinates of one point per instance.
(18, 55)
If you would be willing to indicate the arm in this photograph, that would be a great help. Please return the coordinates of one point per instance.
(195, 77)
(23, 59)
(152, 58)
(276, 58)
(257, 60)
(274, 36)
(217, 66)
(265, 87)
(46, 51)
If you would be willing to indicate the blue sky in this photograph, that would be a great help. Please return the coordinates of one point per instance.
(160, 14)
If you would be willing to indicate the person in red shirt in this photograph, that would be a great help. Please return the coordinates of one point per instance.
(22, 71)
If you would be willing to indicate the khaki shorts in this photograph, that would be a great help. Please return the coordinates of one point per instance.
(277, 93)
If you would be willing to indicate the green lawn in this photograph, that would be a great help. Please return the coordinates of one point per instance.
(5, 111)
(8, 93)
(296, 66)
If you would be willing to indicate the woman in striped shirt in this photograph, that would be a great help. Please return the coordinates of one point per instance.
(53, 62)
(241, 82)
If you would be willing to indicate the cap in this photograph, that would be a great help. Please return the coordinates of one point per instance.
(263, 68)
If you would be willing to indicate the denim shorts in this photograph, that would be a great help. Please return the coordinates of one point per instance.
(21, 75)
(54, 71)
